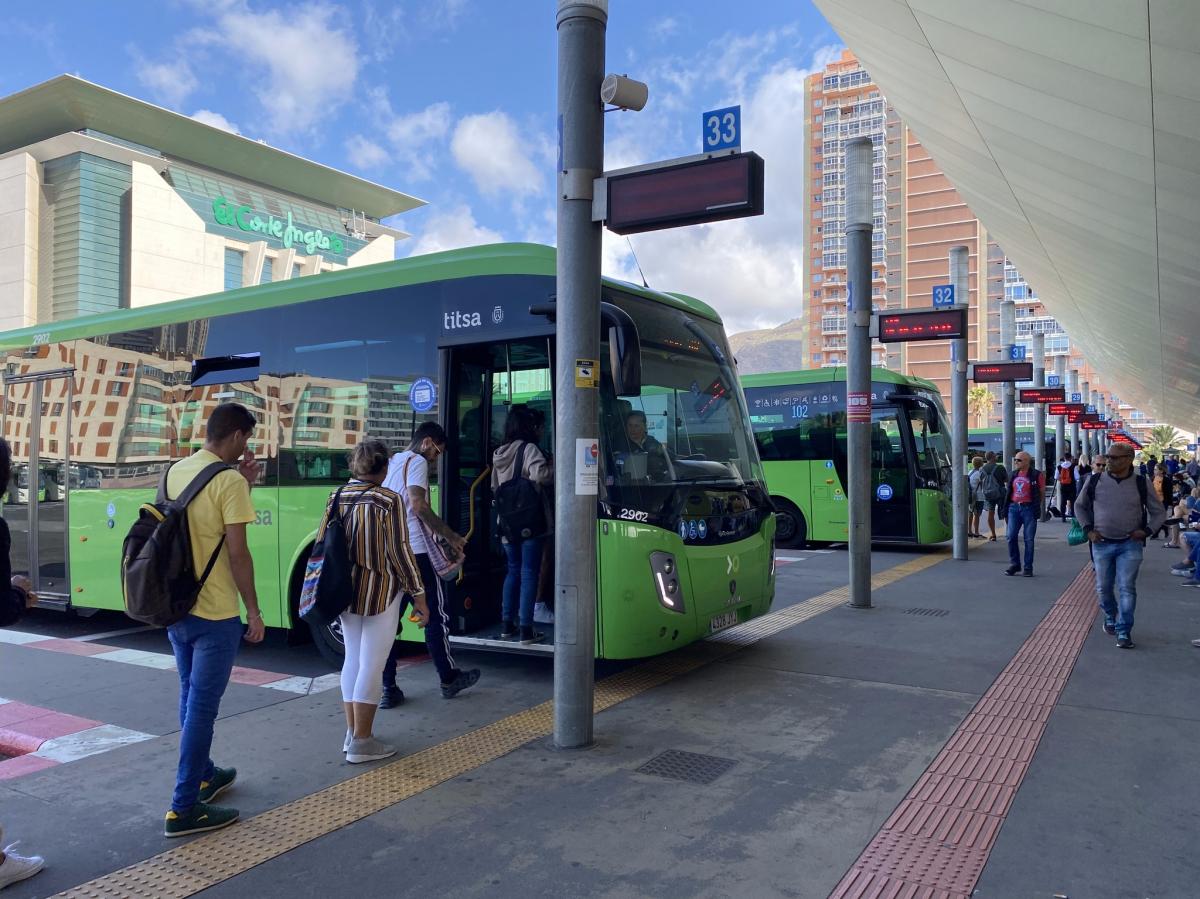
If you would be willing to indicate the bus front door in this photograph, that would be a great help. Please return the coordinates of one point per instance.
(37, 423)
(891, 477)
(482, 383)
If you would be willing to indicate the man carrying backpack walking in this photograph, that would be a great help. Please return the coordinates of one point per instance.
(1114, 512)
(1022, 510)
(206, 641)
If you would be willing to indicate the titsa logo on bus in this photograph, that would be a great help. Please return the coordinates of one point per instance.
(456, 319)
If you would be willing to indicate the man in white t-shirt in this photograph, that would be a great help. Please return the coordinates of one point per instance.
(408, 475)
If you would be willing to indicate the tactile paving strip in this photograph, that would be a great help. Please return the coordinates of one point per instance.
(936, 842)
(211, 859)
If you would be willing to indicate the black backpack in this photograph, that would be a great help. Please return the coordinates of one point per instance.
(993, 487)
(328, 588)
(1093, 480)
(158, 576)
(520, 513)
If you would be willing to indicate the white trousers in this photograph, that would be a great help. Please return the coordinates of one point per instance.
(368, 642)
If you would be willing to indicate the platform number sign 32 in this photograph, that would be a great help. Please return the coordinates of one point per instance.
(722, 129)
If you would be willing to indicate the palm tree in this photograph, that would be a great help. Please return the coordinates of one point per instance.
(1164, 439)
(979, 404)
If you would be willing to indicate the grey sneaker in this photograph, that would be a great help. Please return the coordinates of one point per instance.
(349, 739)
(368, 749)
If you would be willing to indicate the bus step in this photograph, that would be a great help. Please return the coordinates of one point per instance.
(511, 646)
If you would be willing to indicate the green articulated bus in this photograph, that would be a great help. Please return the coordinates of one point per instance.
(799, 421)
(98, 406)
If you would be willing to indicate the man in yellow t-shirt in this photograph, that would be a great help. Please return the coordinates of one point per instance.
(206, 641)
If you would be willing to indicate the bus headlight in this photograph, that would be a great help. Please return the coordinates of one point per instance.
(666, 581)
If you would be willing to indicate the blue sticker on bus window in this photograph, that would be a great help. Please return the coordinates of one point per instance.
(692, 532)
(422, 395)
(683, 530)
(884, 492)
(702, 528)
(829, 465)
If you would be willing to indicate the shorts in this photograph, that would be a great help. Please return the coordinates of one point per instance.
(1066, 492)
(977, 505)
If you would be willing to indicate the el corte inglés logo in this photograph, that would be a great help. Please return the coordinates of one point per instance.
(246, 219)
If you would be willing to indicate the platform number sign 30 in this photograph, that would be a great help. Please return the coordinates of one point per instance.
(722, 129)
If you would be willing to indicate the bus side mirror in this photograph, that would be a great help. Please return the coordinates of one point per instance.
(624, 350)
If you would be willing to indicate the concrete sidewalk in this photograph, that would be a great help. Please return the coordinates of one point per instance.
(827, 724)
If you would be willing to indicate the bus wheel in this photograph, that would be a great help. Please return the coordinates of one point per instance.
(791, 530)
(330, 642)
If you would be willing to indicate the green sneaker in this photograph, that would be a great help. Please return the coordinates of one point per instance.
(201, 818)
(222, 780)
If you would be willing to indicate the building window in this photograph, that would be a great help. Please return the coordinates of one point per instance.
(234, 261)
(296, 270)
(268, 270)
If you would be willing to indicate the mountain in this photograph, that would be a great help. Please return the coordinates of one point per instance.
(772, 349)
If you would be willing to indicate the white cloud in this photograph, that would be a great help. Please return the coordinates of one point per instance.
(168, 82)
(489, 148)
(449, 229)
(365, 153)
(208, 117)
(664, 28)
(415, 138)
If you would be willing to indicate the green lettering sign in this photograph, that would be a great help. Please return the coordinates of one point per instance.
(244, 218)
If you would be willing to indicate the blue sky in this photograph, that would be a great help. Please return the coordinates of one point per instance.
(454, 101)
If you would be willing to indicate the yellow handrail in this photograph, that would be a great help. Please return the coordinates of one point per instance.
(471, 512)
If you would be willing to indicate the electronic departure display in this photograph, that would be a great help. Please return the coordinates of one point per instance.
(999, 372)
(707, 190)
(1043, 395)
(1079, 418)
(1093, 425)
(1064, 408)
(921, 324)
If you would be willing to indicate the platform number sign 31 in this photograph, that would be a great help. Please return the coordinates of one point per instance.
(722, 129)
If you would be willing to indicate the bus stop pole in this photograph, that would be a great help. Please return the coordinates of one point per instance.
(1039, 415)
(1085, 394)
(959, 260)
(860, 159)
(581, 34)
(1008, 396)
(1073, 388)
(1060, 430)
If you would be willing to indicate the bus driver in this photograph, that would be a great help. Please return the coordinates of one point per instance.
(646, 458)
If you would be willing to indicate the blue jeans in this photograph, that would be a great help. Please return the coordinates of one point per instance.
(204, 654)
(1117, 562)
(1191, 539)
(1021, 516)
(524, 566)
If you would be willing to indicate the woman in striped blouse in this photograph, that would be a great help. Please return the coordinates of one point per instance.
(384, 570)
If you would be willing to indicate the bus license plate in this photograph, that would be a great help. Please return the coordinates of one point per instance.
(720, 622)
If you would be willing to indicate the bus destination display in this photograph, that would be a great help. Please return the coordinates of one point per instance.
(1043, 395)
(924, 324)
(1064, 408)
(999, 372)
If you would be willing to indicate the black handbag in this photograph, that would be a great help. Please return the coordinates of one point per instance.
(329, 577)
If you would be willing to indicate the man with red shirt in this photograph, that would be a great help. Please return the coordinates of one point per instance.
(1023, 503)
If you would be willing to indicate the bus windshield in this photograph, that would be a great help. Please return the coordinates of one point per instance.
(688, 426)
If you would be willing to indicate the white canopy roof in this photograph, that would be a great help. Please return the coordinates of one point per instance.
(1072, 129)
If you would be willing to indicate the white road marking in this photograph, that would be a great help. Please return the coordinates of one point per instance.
(89, 742)
(16, 638)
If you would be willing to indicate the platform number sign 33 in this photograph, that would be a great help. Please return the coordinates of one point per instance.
(722, 129)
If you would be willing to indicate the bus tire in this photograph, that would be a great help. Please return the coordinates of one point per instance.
(791, 530)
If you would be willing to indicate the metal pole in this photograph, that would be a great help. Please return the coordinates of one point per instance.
(959, 262)
(859, 225)
(581, 32)
(1039, 415)
(1008, 337)
(1060, 429)
(1072, 389)
(1086, 395)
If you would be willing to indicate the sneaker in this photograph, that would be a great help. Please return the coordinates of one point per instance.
(508, 630)
(529, 635)
(392, 697)
(16, 868)
(461, 682)
(1110, 628)
(1028, 572)
(1190, 582)
(1012, 569)
(1182, 570)
(202, 817)
(349, 739)
(1123, 642)
(368, 749)
(1196, 643)
(542, 614)
(222, 780)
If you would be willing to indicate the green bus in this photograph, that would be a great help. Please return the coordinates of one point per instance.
(326, 360)
(799, 421)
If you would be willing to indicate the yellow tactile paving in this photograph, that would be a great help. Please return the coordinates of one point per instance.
(209, 860)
